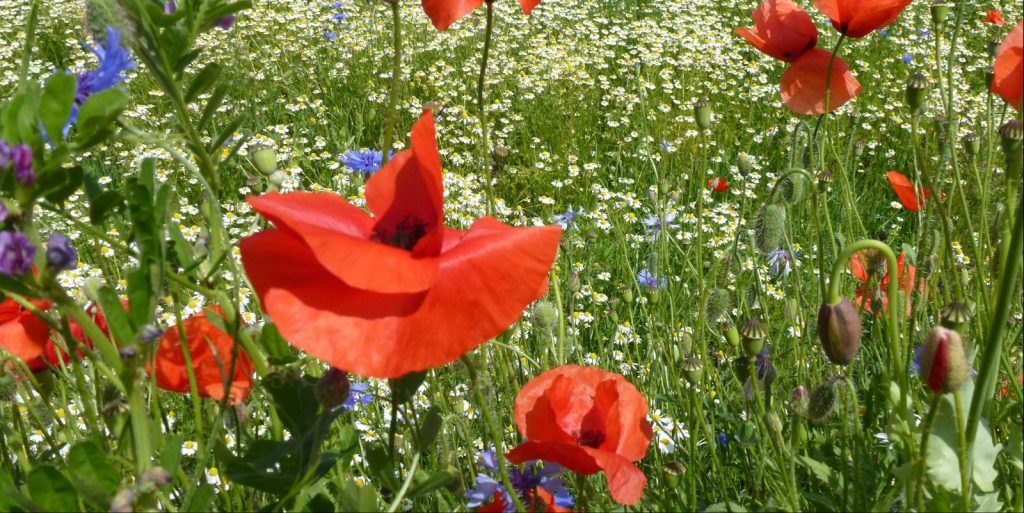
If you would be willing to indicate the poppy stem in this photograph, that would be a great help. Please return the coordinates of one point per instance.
(485, 168)
(396, 82)
(30, 36)
(492, 427)
(926, 429)
(962, 453)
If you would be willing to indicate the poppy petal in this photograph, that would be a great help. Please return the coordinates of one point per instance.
(905, 190)
(781, 30)
(625, 480)
(338, 233)
(22, 333)
(484, 282)
(858, 18)
(210, 351)
(1008, 80)
(443, 13)
(528, 5)
(803, 83)
(857, 266)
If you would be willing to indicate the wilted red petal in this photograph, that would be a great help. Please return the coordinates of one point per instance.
(338, 233)
(211, 352)
(443, 13)
(781, 30)
(905, 191)
(22, 333)
(1009, 67)
(625, 480)
(486, 276)
(803, 83)
(858, 18)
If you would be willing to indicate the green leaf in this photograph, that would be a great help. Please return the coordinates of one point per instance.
(170, 455)
(55, 108)
(357, 499)
(103, 204)
(823, 472)
(382, 467)
(203, 81)
(201, 500)
(118, 322)
(65, 183)
(92, 474)
(429, 429)
(943, 461)
(279, 352)
(51, 489)
(404, 388)
(433, 482)
(294, 400)
(98, 112)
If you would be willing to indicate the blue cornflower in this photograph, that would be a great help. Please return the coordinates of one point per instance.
(525, 478)
(567, 219)
(654, 223)
(331, 36)
(923, 33)
(915, 365)
(367, 162)
(723, 440)
(338, 5)
(780, 262)
(883, 33)
(908, 58)
(357, 394)
(60, 253)
(114, 61)
(339, 16)
(16, 253)
(647, 279)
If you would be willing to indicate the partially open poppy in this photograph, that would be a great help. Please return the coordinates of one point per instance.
(397, 292)
(588, 420)
(911, 197)
(782, 30)
(1008, 80)
(906, 274)
(803, 83)
(995, 17)
(718, 185)
(858, 18)
(443, 13)
(212, 352)
(50, 350)
(22, 333)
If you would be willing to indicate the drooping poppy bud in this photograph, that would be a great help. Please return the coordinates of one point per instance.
(822, 402)
(332, 388)
(702, 113)
(754, 332)
(770, 227)
(716, 305)
(1011, 136)
(265, 160)
(955, 316)
(839, 330)
(917, 92)
(732, 335)
(693, 371)
(944, 365)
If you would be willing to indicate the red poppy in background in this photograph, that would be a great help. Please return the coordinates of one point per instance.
(50, 350)
(718, 185)
(803, 83)
(995, 17)
(22, 333)
(211, 351)
(1009, 67)
(911, 197)
(538, 497)
(587, 420)
(397, 292)
(443, 13)
(906, 275)
(781, 30)
(858, 18)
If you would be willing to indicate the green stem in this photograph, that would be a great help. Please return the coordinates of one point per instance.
(30, 39)
(485, 150)
(965, 481)
(396, 81)
(926, 429)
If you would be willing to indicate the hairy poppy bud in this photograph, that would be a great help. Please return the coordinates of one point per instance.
(754, 332)
(770, 227)
(277, 177)
(702, 113)
(917, 92)
(686, 343)
(265, 160)
(663, 187)
(940, 10)
(955, 316)
(972, 144)
(799, 400)
(545, 315)
(101, 14)
(1012, 135)
(791, 188)
(822, 401)
(693, 371)
(732, 335)
(745, 163)
(839, 330)
(944, 366)
(716, 305)
(332, 388)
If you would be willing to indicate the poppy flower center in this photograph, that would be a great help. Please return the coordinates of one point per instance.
(404, 234)
(590, 438)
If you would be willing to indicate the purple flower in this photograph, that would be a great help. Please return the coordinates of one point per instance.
(356, 394)
(723, 440)
(568, 219)
(170, 7)
(367, 162)
(3, 212)
(780, 262)
(21, 159)
(331, 36)
(338, 17)
(16, 253)
(114, 62)
(525, 479)
(60, 254)
(908, 58)
(226, 22)
(5, 154)
(338, 5)
(654, 224)
(647, 279)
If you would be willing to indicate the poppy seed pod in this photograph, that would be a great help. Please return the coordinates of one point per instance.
(754, 332)
(716, 305)
(839, 330)
(693, 371)
(265, 160)
(332, 388)
(702, 113)
(277, 177)
(1011, 135)
(940, 10)
(955, 316)
(944, 365)
(972, 144)
(917, 92)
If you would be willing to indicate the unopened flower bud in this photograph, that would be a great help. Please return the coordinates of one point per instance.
(332, 388)
(732, 335)
(60, 253)
(702, 113)
(150, 333)
(277, 177)
(799, 399)
(155, 476)
(822, 401)
(944, 366)
(545, 315)
(839, 331)
(745, 163)
(123, 502)
(917, 92)
(265, 160)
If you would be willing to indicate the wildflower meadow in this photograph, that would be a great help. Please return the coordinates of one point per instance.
(511, 255)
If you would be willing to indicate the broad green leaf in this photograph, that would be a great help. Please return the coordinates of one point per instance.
(55, 107)
(432, 483)
(943, 461)
(103, 204)
(92, 474)
(203, 81)
(404, 388)
(51, 489)
(823, 472)
(98, 112)
(357, 498)
(429, 429)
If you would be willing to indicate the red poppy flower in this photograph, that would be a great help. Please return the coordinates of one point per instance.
(911, 197)
(906, 274)
(803, 83)
(538, 497)
(443, 13)
(22, 333)
(211, 350)
(587, 420)
(718, 185)
(995, 17)
(781, 30)
(858, 18)
(398, 292)
(1008, 80)
(49, 355)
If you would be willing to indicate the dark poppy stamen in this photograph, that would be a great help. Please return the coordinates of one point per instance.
(590, 438)
(403, 235)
